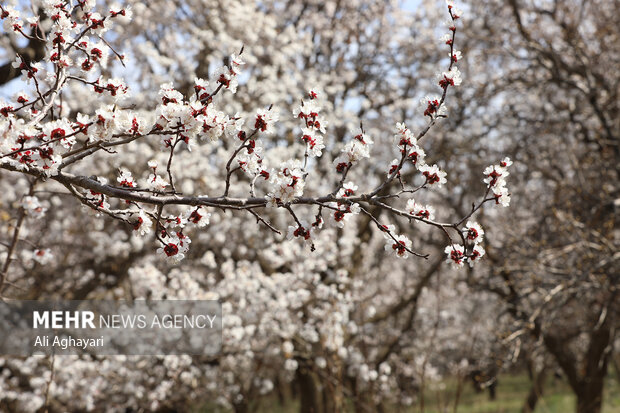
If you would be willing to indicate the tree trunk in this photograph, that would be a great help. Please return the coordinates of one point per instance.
(330, 398)
(587, 380)
(241, 407)
(332, 389)
(493, 389)
(590, 398)
(538, 381)
(590, 392)
(308, 392)
(279, 386)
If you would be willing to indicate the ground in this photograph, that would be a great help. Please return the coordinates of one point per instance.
(511, 392)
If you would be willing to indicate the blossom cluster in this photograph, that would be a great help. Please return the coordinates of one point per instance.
(251, 157)
(495, 178)
(172, 232)
(420, 211)
(313, 124)
(286, 184)
(353, 151)
(33, 207)
(399, 244)
(345, 210)
(410, 150)
(471, 251)
(181, 121)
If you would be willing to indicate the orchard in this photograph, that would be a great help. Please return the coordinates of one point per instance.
(384, 196)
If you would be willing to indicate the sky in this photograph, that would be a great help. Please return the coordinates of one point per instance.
(412, 4)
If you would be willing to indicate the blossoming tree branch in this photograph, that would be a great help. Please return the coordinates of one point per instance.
(40, 140)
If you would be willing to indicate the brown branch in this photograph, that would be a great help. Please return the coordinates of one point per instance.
(14, 241)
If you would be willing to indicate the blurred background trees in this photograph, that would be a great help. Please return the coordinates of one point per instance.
(556, 88)
(344, 326)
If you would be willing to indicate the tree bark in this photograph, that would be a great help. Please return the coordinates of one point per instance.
(241, 407)
(590, 397)
(538, 381)
(590, 394)
(308, 393)
(590, 401)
